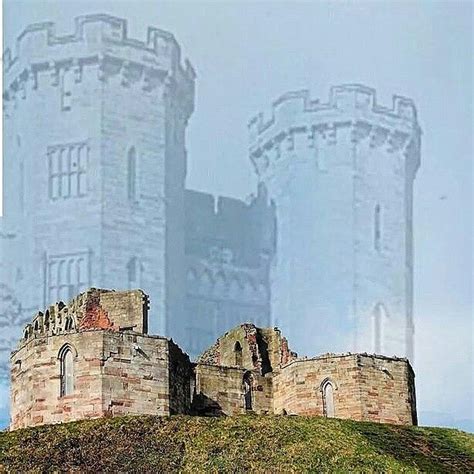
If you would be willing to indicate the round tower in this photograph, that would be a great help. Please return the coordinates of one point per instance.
(95, 162)
(341, 176)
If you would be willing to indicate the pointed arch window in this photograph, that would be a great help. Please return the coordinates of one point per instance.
(328, 399)
(238, 354)
(132, 173)
(377, 228)
(66, 358)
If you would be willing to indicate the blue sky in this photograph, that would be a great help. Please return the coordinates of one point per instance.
(248, 53)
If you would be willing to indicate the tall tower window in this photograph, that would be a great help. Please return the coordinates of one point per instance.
(66, 358)
(134, 270)
(67, 82)
(328, 399)
(68, 170)
(379, 322)
(67, 275)
(377, 228)
(132, 173)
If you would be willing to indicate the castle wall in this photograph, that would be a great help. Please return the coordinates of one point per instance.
(135, 375)
(220, 390)
(229, 247)
(180, 376)
(368, 388)
(35, 381)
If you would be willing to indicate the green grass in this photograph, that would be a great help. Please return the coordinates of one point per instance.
(235, 444)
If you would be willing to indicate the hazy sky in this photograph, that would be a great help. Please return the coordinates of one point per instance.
(248, 53)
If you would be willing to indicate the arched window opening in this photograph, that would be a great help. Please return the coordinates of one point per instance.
(132, 174)
(377, 228)
(248, 379)
(238, 354)
(328, 399)
(66, 358)
(379, 321)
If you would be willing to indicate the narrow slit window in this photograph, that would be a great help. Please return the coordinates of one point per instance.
(377, 228)
(132, 174)
(67, 83)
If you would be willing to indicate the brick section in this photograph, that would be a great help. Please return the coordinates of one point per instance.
(96, 317)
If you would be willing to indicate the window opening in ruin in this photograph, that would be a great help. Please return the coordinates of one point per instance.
(248, 391)
(328, 399)
(67, 372)
(68, 325)
(238, 354)
(132, 174)
(377, 228)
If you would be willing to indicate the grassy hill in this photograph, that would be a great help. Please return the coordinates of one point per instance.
(237, 444)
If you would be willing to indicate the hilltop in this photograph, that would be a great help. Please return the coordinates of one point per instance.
(237, 444)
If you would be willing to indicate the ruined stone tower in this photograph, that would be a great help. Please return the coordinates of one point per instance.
(101, 199)
(341, 177)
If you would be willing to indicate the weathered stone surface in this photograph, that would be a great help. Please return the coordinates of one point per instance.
(115, 369)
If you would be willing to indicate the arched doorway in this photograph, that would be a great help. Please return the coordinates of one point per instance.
(327, 389)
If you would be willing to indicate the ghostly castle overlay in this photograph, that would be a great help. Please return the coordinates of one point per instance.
(341, 177)
(94, 188)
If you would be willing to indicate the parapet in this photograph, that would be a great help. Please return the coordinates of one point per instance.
(95, 309)
(239, 225)
(94, 35)
(354, 99)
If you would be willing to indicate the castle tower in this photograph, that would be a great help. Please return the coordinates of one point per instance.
(341, 176)
(95, 163)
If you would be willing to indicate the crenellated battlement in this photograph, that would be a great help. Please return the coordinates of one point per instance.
(97, 39)
(296, 123)
(346, 102)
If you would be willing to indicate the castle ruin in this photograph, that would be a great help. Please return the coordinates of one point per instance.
(93, 358)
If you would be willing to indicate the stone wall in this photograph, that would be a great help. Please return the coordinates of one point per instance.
(180, 374)
(116, 369)
(370, 388)
(220, 391)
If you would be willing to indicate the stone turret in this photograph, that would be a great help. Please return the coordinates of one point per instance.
(340, 174)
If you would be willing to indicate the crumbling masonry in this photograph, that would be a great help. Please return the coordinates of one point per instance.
(94, 358)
